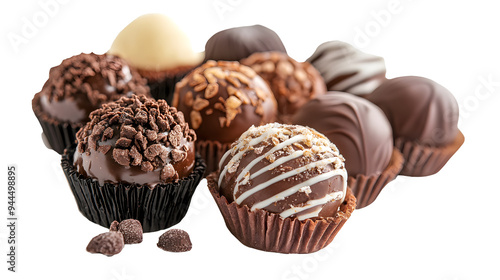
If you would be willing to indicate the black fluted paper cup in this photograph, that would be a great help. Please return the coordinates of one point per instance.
(157, 208)
(59, 135)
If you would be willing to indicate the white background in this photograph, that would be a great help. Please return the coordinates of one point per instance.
(443, 227)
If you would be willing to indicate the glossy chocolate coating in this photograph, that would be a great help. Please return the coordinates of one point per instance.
(418, 109)
(211, 114)
(105, 169)
(237, 43)
(357, 127)
(82, 83)
(289, 161)
(348, 69)
(135, 140)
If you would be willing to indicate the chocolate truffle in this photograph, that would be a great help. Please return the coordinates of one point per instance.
(292, 83)
(345, 68)
(135, 140)
(236, 43)
(159, 50)
(357, 127)
(419, 110)
(82, 83)
(221, 100)
(154, 42)
(290, 170)
(175, 240)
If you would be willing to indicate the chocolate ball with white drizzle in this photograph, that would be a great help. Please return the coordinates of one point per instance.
(348, 69)
(291, 170)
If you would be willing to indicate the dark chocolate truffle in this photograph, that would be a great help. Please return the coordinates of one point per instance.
(108, 243)
(221, 100)
(236, 43)
(293, 83)
(82, 83)
(175, 240)
(356, 126)
(345, 68)
(419, 110)
(135, 140)
(290, 170)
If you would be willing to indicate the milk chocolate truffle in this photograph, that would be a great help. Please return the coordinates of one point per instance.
(160, 51)
(357, 127)
(221, 100)
(293, 83)
(135, 140)
(345, 68)
(419, 110)
(236, 43)
(290, 170)
(82, 83)
(76, 87)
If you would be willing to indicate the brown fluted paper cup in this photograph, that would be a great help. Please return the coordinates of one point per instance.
(157, 208)
(367, 188)
(211, 152)
(422, 160)
(267, 231)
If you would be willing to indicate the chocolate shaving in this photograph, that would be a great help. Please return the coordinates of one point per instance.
(102, 78)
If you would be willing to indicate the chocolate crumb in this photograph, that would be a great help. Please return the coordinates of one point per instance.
(114, 226)
(108, 243)
(175, 240)
(131, 230)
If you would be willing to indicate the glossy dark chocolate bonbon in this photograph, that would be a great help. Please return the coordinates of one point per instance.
(236, 43)
(419, 110)
(356, 126)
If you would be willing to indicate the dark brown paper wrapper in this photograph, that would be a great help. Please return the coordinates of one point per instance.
(162, 83)
(367, 188)
(266, 231)
(421, 160)
(59, 135)
(164, 89)
(156, 208)
(211, 152)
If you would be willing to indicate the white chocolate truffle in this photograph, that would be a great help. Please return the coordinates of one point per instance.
(154, 42)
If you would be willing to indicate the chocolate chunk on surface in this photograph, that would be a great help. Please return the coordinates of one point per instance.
(175, 240)
(131, 230)
(108, 243)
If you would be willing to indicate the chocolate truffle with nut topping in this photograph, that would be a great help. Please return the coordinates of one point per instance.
(221, 100)
(136, 140)
(293, 83)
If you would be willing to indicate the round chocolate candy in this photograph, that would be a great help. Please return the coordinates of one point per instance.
(135, 140)
(356, 126)
(221, 100)
(82, 83)
(292, 83)
(286, 169)
(419, 110)
(237, 43)
(348, 69)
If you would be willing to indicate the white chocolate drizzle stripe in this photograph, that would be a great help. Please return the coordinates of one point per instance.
(296, 188)
(310, 204)
(278, 147)
(240, 153)
(283, 176)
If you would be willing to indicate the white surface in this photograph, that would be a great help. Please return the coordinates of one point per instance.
(443, 227)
